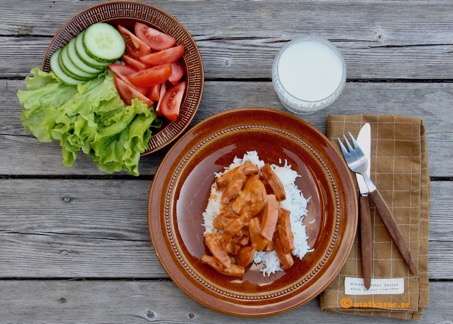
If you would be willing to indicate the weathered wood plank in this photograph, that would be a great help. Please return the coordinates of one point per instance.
(365, 20)
(98, 229)
(160, 301)
(252, 57)
(72, 227)
(376, 42)
(431, 101)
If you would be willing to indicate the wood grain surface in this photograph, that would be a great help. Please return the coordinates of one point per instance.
(74, 242)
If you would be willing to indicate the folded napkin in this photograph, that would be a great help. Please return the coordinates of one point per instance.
(399, 168)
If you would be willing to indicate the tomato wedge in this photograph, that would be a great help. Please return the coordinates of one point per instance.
(154, 93)
(155, 39)
(169, 55)
(127, 93)
(163, 90)
(177, 71)
(122, 71)
(170, 105)
(136, 64)
(135, 47)
(152, 76)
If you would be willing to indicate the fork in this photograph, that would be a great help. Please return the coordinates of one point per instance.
(358, 163)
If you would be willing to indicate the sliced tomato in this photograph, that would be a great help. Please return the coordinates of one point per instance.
(155, 39)
(169, 55)
(122, 71)
(163, 90)
(152, 76)
(136, 64)
(171, 102)
(135, 47)
(177, 71)
(154, 93)
(127, 93)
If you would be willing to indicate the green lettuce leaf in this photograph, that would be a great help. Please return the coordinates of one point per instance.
(89, 118)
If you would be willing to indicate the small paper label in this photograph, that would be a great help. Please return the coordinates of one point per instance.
(392, 286)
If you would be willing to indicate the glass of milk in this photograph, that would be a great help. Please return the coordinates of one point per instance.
(308, 74)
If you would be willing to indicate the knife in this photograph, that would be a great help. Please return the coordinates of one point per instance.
(364, 141)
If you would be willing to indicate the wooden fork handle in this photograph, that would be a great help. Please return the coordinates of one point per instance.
(393, 229)
(366, 240)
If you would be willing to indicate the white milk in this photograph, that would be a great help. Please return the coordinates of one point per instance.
(308, 74)
(310, 70)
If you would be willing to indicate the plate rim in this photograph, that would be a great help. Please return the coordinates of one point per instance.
(243, 310)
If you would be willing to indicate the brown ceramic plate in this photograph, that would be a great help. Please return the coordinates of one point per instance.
(180, 192)
(127, 13)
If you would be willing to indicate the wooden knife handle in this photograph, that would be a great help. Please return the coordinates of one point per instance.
(393, 229)
(366, 240)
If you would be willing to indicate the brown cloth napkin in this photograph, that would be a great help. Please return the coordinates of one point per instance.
(399, 168)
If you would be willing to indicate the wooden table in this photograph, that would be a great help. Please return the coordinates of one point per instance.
(74, 242)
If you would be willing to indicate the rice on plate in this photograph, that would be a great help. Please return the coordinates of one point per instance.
(295, 203)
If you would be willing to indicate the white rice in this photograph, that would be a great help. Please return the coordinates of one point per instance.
(294, 202)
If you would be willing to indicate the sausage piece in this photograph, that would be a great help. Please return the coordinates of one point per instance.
(269, 217)
(252, 198)
(246, 169)
(233, 270)
(286, 259)
(274, 182)
(284, 230)
(233, 188)
(245, 256)
(213, 242)
(258, 241)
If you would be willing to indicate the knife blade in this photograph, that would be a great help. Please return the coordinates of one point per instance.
(364, 141)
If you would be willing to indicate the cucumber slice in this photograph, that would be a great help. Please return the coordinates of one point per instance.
(88, 60)
(70, 69)
(75, 59)
(56, 69)
(103, 42)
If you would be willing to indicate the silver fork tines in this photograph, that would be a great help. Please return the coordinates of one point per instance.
(356, 159)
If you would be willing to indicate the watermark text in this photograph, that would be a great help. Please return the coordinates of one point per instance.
(349, 303)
